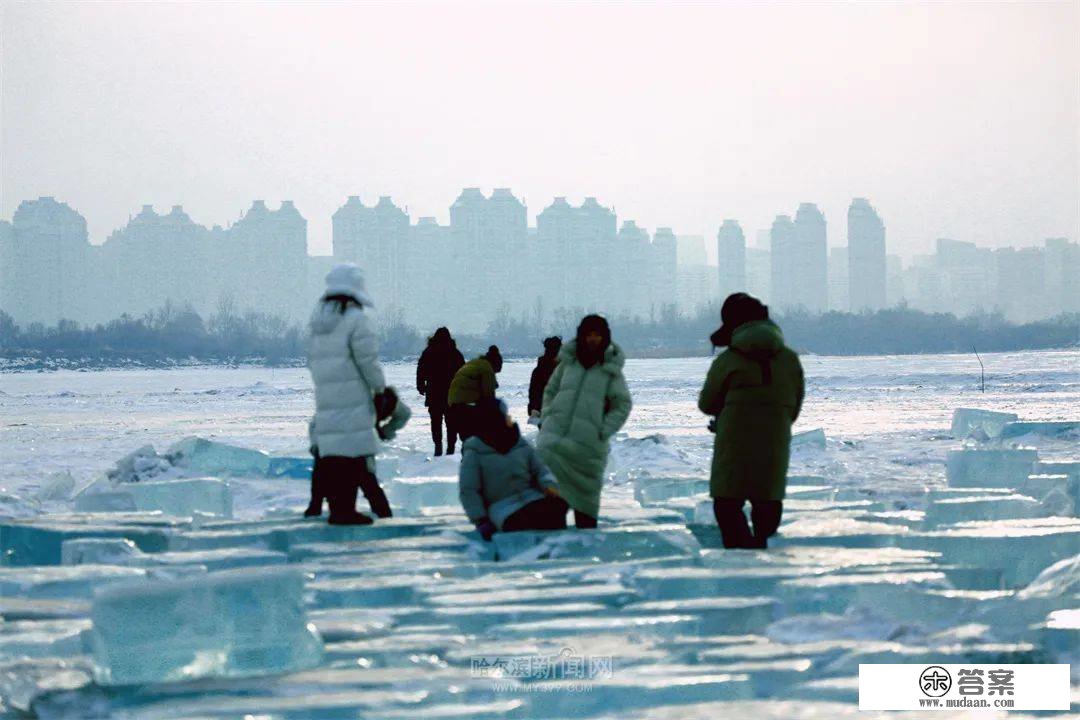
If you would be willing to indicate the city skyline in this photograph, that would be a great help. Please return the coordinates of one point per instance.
(488, 262)
(755, 237)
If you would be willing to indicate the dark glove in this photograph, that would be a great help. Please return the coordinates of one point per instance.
(712, 426)
(385, 403)
(486, 528)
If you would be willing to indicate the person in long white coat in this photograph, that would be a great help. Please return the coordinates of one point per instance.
(343, 357)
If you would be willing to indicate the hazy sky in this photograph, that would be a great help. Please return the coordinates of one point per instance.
(956, 119)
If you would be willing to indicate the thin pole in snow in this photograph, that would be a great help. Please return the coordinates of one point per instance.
(982, 370)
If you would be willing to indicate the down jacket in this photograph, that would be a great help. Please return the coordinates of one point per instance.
(473, 382)
(582, 410)
(496, 485)
(343, 357)
(755, 391)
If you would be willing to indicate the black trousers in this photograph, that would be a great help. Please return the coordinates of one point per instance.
(440, 414)
(734, 529)
(461, 418)
(339, 479)
(546, 514)
(583, 521)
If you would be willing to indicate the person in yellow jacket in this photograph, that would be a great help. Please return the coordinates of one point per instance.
(475, 381)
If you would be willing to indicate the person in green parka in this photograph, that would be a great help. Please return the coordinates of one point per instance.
(586, 401)
(754, 390)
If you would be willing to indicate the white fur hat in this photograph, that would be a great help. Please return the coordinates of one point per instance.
(348, 279)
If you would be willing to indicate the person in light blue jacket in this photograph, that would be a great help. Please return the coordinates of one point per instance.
(503, 484)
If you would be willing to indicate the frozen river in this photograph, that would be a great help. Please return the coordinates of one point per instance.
(883, 414)
(887, 554)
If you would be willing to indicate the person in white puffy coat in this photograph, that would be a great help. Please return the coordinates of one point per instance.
(343, 357)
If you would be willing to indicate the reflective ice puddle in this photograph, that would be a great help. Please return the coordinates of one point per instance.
(911, 533)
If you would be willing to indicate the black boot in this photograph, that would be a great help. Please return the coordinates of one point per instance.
(375, 496)
(343, 506)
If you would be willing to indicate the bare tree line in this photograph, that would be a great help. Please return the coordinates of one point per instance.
(174, 333)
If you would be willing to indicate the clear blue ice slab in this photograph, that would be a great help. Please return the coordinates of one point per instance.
(235, 623)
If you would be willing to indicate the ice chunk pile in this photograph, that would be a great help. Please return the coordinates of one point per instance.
(981, 424)
(186, 496)
(410, 496)
(196, 456)
(990, 467)
(199, 456)
(191, 615)
(1047, 429)
(58, 486)
(651, 490)
(809, 439)
(141, 465)
(104, 496)
(98, 551)
(229, 624)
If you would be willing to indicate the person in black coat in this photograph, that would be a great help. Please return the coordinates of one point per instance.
(545, 366)
(438, 364)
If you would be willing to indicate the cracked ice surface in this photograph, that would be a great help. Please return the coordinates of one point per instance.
(878, 560)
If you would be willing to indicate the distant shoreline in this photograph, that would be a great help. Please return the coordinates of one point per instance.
(24, 363)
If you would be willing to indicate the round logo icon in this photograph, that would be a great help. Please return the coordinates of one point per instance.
(935, 681)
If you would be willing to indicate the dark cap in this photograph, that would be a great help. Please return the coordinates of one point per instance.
(738, 309)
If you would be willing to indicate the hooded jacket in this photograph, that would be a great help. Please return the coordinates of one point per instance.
(343, 357)
(496, 483)
(755, 390)
(583, 409)
(475, 381)
(541, 374)
(438, 364)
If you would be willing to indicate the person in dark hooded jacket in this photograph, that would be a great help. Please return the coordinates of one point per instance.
(503, 484)
(545, 367)
(754, 390)
(438, 364)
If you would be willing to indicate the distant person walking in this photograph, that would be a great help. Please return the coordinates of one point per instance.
(754, 390)
(545, 366)
(475, 381)
(502, 483)
(438, 364)
(585, 403)
(343, 357)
